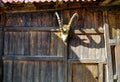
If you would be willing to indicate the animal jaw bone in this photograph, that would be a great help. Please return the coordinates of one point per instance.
(65, 28)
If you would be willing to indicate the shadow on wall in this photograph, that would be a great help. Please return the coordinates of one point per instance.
(84, 47)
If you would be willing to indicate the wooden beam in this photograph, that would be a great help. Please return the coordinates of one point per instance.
(101, 6)
(32, 58)
(88, 31)
(91, 61)
(55, 29)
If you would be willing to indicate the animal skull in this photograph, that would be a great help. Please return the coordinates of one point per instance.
(65, 28)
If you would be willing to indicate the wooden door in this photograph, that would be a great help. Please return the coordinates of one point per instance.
(32, 52)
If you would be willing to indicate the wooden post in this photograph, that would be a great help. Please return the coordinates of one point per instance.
(117, 56)
(108, 54)
(107, 48)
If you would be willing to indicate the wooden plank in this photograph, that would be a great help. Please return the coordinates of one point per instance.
(48, 73)
(36, 71)
(30, 68)
(69, 72)
(1, 44)
(23, 28)
(26, 43)
(43, 68)
(45, 43)
(108, 54)
(86, 61)
(66, 62)
(117, 56)
(54, 29)
(39, 43)
(100, 69)
(54, 44)
(11, 48)
(60, 9)
(89, 31)
(55, 74)
(7, 74)
(6, 43)
(61, 72)
(24, 72)
(1, 70)
(34, 19)
(39, 21)
(45, 58)
(17, 72)
(33, 43)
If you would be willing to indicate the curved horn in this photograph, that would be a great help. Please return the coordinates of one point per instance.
(58, 18)
(75, 14)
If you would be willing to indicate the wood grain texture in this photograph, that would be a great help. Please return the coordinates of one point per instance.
(34, 53)
(82, 73)
(8, 73)
(117, 52)
(92, 44)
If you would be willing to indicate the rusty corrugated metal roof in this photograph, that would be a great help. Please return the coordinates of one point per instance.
(5, 1)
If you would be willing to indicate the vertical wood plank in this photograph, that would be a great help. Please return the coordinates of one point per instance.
(100, 78)
(11, 43)
(6, 43)
(54, 44)
(103, 49)
(7, 74)
(61, 73)
(30, 72)
(27, 19)
(33, 42)
(39, 16)
(24, 72)
(117, 55)
(48, 73)
(108, 54)
(26, 43)
(39, 45)
(36, 72)
(55, 73)
(43, 68)
(34, 19)
(17, 71)
(22, 41)
(45, 43)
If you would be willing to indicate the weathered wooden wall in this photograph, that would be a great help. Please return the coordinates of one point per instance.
(42, 46)
(34, 53)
